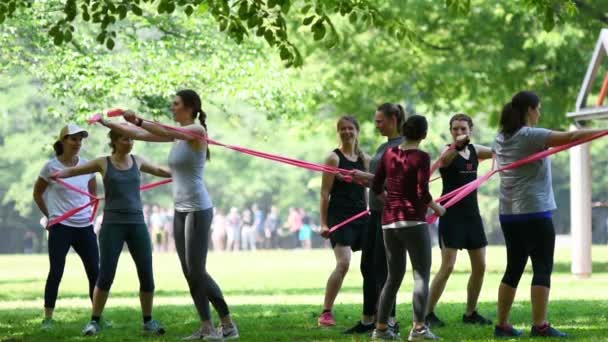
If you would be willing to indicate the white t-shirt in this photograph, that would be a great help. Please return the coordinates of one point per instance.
(59, 199)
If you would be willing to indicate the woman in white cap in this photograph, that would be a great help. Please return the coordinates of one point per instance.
(54, 200)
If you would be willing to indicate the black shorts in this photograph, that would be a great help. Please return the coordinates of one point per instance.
(462, 232)
(352, 234)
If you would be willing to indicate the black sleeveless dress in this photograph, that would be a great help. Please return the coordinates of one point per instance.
(461, 227)
(347, 199)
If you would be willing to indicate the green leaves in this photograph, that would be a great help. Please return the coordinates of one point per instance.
(318, 29)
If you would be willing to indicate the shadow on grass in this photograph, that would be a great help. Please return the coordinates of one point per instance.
(584, 320)
(18, 281)
(565, 267)
(185, 293)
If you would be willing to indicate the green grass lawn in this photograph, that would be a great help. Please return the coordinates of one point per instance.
(277, 296)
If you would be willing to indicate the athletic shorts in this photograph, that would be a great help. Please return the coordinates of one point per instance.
(352, 234)
(461, 232)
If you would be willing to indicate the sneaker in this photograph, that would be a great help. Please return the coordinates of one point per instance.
(105, 323)
(475, 318)
(395, 328)
(385, 335)
(433, 321)
(422, 335)
(327, 319)
(47, 324)
(201, 334)
(546, 331)
(229, 333)
(507, 331)
(153, 327)
(360, 328)
(91, 329)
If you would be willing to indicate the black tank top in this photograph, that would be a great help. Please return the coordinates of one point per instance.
(347, 196)
(460, 172)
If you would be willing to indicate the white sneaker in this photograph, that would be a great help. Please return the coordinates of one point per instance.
(229, 333)
(201, 334)
(422, 335)
(91, 329)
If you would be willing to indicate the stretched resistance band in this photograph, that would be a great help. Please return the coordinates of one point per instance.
(466, 189)
(95, 200)
(346, 174)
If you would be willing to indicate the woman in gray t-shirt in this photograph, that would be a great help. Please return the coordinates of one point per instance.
(526, 206)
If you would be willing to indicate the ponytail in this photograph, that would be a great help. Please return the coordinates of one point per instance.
(191, 99)
(202, 117)
(393, 110)
(514, 113)
(58, 147)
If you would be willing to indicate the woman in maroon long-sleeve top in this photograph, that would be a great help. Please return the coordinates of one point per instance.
(405, 168)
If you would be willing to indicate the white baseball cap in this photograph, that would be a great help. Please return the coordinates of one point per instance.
(71, 129)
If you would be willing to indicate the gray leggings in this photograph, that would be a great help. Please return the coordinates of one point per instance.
(191, 232)
(398, 242)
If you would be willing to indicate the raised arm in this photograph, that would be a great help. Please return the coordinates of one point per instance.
(147, 167)
(92, 166)
(197, 130)
(483, 152)
(327, 183)
(448, 155)
(557, 138)
(134, 132)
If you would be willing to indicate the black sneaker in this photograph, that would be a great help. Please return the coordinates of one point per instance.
(506, 331)
(394, 327)
(360, 328)
(546, 331)
(475, 318)
(432, 321)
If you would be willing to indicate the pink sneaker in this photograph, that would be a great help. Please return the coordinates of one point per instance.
(327, 319)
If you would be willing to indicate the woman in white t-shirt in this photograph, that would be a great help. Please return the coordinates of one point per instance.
(54, 200)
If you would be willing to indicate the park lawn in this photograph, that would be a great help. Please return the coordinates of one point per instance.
(277, 296)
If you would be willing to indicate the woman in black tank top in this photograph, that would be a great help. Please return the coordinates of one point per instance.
(461, 226)
(341, 200)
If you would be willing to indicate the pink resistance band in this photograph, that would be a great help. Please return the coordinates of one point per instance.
(346, 174)
(466, 189)
(95, 200)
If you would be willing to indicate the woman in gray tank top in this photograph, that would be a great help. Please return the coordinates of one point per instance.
(193, 206)
(123, 221)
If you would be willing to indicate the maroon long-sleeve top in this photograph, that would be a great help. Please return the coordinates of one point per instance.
(406, 175)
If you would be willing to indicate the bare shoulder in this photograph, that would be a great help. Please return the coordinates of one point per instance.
(332, 158)
(196, 127)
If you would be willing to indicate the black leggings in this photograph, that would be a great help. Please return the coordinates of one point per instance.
(112, 238)
(84, 242)
(534, 238)
(373, 265)
(399, 242)
(191, 231)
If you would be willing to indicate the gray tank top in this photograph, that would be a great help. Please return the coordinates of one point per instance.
(122, 196)
(187, 168)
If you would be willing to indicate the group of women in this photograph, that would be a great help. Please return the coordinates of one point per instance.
(123, 220)
(398, 176)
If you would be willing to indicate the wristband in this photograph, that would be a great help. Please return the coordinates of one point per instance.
(140, 122)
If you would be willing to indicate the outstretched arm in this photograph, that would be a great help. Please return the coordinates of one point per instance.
(198, 132)
(156, 170)
(92, 166)
(134, 132)
(483, 152)
(557, 138)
